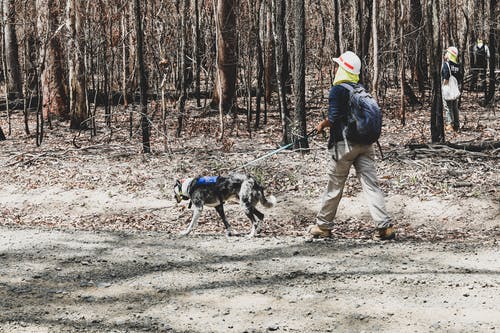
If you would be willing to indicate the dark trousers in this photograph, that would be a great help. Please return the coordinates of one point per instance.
(451, 113)
(481, 73)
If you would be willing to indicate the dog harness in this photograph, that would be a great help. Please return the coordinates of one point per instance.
(207, 180)
(186, 183)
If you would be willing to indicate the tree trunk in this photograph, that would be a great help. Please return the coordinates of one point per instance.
(490, 95)
(76, 66)
(375, 50)
(366, 34)
(402, 63)
(197, 52)
(181, 103)
(418, 63)
(227, 55)
(13, 77)
(300, 75)
(434, 34)
(143, 84)
(282, 66)
(336, 27)
(269, 70)
(55, 101)
(260, 64)
(125, 53)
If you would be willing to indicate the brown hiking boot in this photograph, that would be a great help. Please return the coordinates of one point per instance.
(316, 232)
(384, 234)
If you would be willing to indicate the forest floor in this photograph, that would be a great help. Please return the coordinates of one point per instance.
(89, 236)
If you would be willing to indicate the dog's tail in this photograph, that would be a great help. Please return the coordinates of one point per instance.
(267, 202)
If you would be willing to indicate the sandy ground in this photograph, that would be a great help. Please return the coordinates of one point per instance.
(68, 281)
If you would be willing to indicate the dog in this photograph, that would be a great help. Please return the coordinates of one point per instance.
(215, 191)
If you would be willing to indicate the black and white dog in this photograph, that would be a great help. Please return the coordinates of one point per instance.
(215, 191)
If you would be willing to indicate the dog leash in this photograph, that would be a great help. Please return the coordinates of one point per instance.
(311, 134)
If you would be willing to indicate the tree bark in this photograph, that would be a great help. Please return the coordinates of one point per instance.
(143, 84)
(197, 52)
(269, 70)
(300, 75)
(281, 55)
(227, 55)
(260, 65)
(76, 66)
(490, 95)
(339, 27)
(402, 64)
(434, 34)
(418, 63)
(181, 103)
(375, 50)
(13, 77)
(55, 101)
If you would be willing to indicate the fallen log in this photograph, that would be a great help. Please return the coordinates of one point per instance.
(482, 146)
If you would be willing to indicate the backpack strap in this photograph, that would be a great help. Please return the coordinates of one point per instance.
(348, 87)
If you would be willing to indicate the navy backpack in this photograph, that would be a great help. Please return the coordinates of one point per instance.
(364, 120)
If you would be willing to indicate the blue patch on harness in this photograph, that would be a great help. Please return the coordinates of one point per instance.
(207, 180)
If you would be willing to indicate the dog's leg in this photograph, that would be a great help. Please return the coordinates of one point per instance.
(258, 214)
(227, 226)
(194, 221)
(249, 212)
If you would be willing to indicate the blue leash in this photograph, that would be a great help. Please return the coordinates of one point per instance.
(312, 133)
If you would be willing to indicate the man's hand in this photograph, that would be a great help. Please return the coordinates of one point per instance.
(324, 123)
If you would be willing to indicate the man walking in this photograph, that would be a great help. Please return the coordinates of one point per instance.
(345, 152)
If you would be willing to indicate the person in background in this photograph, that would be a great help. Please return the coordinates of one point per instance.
(480, 58)
(344, 154)
(451, 66)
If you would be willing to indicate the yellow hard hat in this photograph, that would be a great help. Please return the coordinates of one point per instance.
(453, 50)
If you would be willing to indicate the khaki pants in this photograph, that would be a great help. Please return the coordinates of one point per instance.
(361, 156)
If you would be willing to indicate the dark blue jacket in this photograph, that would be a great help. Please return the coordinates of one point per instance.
(338, 107)
(456, 71)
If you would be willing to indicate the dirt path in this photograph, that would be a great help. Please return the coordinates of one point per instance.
(55, 281)
(88, 237)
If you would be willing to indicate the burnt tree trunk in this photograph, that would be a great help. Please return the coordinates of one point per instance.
(13, 75)
(281, 56)
(490, 94)
(197, 52)
(269, 71)
(181, 103)
(227, 55)
(418, 63)
(143, 84)
(77, 91)
(260, 65)
(337, 27)
(434, 33)
(402, 64)
(300, 75)
(375, 50)
(55, 101)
